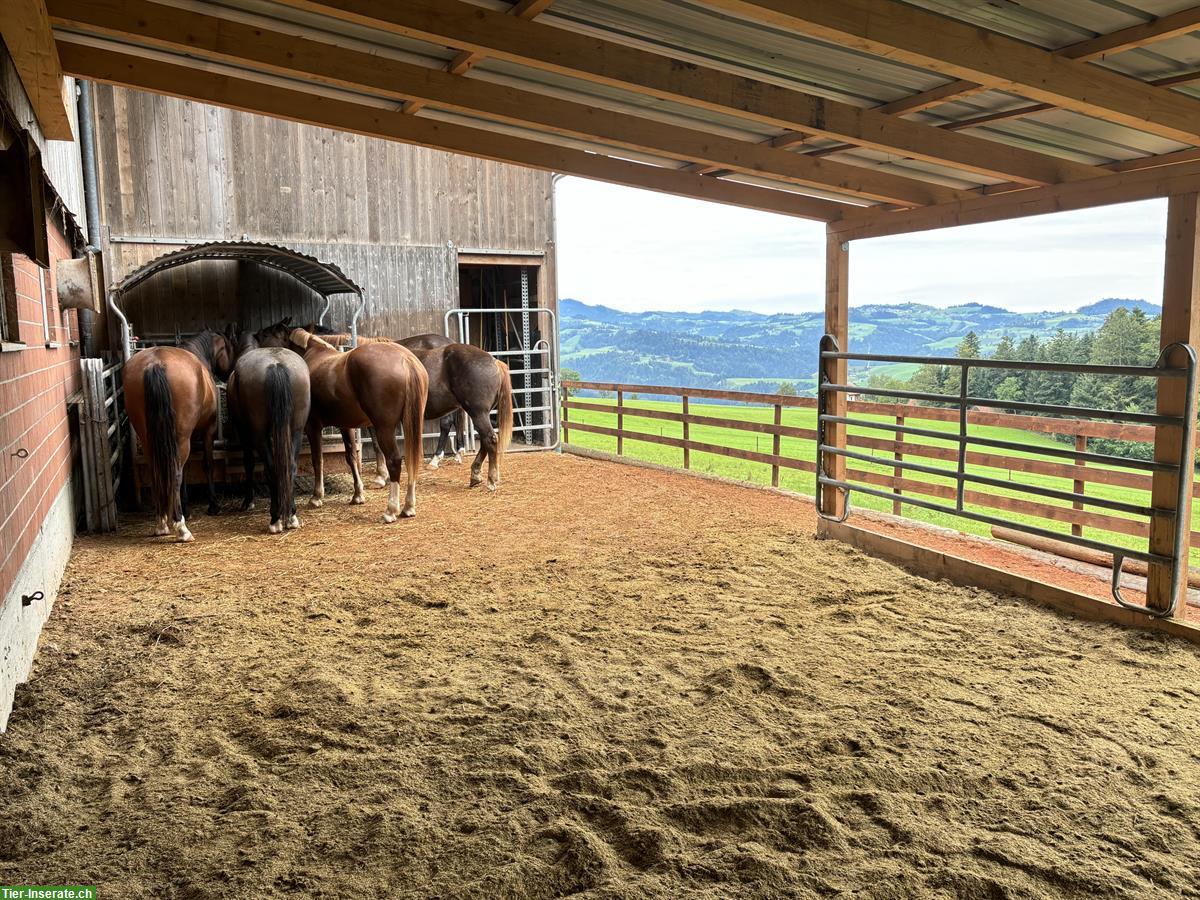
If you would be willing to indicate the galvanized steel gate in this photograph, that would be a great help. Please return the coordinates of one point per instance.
(1178, 560)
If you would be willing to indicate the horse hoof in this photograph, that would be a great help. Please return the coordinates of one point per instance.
(162, 531)
(316, 502)
(492, 485)
(293, 522)
(275, 528)
(358, 500)
(388, 518)
(434, 463)
(476, 482)
(185, 537)
(407, 513)
(247, 507)
(458, 458)
(379, 481)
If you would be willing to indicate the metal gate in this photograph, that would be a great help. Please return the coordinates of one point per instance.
(962, 402)
(103, 426)
(532, 361)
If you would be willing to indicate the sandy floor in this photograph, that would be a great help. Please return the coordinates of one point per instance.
(603, 681)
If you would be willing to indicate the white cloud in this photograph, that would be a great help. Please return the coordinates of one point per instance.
(633, 249)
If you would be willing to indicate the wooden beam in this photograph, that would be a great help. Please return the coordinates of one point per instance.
(1120, 187)
(458, 24)
(1180, 323)
(209, 37)
(837, 323)
(468, 59)
(1161, 29)
(960, 50)
(338, 113)
(25, 27)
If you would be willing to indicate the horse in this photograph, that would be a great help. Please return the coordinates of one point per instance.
(380, 384)
(461, 377)
(169, 396)
(455, 419)
(269, 399)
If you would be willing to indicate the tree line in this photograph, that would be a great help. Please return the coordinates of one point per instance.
(1127, 337)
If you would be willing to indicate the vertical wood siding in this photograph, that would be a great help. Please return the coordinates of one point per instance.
(391, 216)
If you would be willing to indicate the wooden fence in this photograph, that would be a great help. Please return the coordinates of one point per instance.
(896, 446)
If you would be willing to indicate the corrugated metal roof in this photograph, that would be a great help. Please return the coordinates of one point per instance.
(324, 278)
(690, 31)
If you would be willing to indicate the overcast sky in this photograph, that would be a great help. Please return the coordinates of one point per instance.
(634, 249)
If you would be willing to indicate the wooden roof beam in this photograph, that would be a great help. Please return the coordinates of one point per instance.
(25, 27)
(454, 23)
(468, 59)
(336, 112)
(249, 45)
(961, 50)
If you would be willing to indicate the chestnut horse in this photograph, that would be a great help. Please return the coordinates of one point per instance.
(269, 400)
(416, 343)
(378, 384)
(461, 377)
(169, 396)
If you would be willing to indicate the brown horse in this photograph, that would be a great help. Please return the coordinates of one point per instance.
(170, 395)
(461, 377)
(378, 384)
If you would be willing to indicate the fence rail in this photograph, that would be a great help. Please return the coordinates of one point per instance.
(909, 450)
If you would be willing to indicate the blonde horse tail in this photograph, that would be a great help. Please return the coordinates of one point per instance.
(417, 393)
(505, 407)
(163, 449)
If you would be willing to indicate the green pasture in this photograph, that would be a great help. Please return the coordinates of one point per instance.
(803, 482)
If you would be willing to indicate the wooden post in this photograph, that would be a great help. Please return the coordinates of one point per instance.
(1180, 322)
(620, 421)
(687, 450)
(897, 472)
(775, 445)
(837, 323)
(566, 430)
(1081, 444)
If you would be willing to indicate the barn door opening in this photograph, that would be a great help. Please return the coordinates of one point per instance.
(499, 311)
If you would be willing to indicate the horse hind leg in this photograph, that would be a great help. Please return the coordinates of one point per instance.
(381, 466)
(353, 461)
(389, 446)
(443, 442)
(209, 437)
(488, 446)
(294, 520)
(182, 533)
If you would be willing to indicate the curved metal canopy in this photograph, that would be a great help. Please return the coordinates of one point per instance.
(324, 278)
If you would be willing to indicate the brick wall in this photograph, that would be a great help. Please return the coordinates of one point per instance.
(35, 382)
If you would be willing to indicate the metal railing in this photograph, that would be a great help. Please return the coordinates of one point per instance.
(963, 402)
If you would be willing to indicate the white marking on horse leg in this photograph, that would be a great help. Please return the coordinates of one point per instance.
(275, 528)
(318, 494)
(182, 533)
(436, 460)
(458, 456)
(410, 500)
(381, 470)
(393, 506)
(315, 502)
(160, 526)
(293, 522)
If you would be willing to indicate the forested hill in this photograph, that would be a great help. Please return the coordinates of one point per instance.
(753, 351)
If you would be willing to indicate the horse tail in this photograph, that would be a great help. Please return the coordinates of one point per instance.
(416, 395)
(163, 445)
(279, 435)
(505, 407)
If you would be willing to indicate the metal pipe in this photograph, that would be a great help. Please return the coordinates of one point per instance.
(1156, 371)
(358, 310)
(1143, 465)
(993, 520)
(91, 203)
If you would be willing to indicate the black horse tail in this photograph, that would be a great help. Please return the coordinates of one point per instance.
(279, 435)
(164, 448)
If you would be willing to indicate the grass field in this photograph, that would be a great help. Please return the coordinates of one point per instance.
(803, 482)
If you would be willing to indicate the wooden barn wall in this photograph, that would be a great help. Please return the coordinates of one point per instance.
(392, 216)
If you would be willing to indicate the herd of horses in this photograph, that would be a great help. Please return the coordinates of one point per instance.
(285, 381)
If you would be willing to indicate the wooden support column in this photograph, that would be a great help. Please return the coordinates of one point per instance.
(620, 422)
(1180, 322)
(837, 323)
(775, 445)
(1081, 444)
(687, 447)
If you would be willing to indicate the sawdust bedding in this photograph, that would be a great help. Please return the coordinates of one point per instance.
(601, 681)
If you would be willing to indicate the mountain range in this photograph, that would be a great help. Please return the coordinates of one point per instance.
(753, 351)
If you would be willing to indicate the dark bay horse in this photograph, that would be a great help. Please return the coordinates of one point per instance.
(170, 395)
(377, 384)
(461, 377)
(269, 399)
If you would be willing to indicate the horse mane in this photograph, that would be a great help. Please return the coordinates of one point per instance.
(311, 340)
(201, 344)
